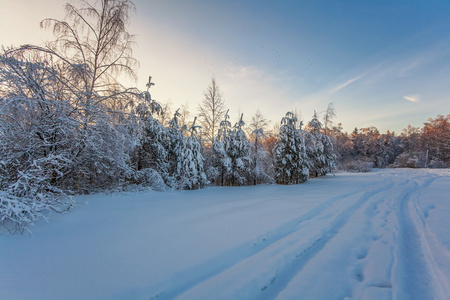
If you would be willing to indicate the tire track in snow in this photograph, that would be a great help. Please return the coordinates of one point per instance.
(194, 276)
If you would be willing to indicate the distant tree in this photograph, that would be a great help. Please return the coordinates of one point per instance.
(211, 110)
(410, 139)
(330, 113)
(341, 142)
(167, 108)
(436, 140)
(412, 154)
(261, 163)
(185, 114)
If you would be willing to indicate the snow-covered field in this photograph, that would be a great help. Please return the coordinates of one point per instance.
(379, 235)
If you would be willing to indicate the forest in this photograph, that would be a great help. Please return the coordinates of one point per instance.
(69, 126)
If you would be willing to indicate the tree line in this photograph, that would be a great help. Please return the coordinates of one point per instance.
(414, 147)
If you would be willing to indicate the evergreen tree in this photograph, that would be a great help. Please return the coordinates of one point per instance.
(150, 158)
(239, 153)
(291, 161)
(319, 149)
(177, 153)
(152, 147)
(194, 160)
(185, 156)
(231, 154)
(221, 160)
(329, 154)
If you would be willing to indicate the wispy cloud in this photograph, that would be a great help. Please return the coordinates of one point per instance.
(412, 98)
(345, 84)
(410, 63)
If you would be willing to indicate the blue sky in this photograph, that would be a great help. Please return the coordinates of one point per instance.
(382, 63)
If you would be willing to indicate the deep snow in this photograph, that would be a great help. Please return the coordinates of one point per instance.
(378, 235)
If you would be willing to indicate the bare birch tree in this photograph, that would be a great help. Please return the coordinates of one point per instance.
(211, 111)
(330, 113)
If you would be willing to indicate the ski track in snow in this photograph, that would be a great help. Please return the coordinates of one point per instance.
(368, 237)
(418, 274)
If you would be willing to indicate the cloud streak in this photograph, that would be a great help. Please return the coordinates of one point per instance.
(412, 98)
(345, 84)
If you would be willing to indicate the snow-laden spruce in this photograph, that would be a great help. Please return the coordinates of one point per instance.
(319, 149)
(187, 158)
(291, 160)
(231, 153)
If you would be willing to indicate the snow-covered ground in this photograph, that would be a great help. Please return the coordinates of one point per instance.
(379, 235)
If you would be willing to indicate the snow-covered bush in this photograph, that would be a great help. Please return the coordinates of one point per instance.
(38, 142)
(410, 160)
(437, 164)
(28, 200)
(147, 178)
